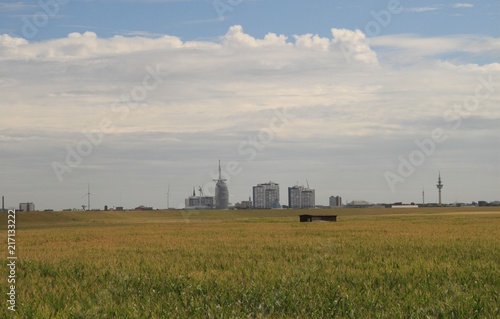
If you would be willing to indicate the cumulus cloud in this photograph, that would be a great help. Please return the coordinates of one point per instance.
(236, 37)
(310, 41)
(83, 46)
(350, 97)
(354, 45)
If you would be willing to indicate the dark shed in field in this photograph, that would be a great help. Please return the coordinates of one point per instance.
(318, 218)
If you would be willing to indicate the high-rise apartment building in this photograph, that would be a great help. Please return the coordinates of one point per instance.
(266, 195)
(335, 201)
(301, 197)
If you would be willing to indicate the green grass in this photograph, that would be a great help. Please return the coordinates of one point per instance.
(372, 263)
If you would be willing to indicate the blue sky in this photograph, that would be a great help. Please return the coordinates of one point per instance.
(160, 90)
(199, 19)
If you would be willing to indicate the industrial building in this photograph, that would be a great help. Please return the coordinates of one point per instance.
(141, 207)
(26, 207)
(266, 195)
(301, 197)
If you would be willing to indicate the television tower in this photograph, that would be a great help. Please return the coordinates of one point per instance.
(439, 186)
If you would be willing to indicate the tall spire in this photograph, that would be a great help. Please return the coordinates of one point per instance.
(220, 171)
(221, 192)
(220, 179)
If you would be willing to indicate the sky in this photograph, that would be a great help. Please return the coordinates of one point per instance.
(367, 100)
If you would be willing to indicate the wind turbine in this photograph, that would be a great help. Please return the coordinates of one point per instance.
(88, 197)
(168, 197)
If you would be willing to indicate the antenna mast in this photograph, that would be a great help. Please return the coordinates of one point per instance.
(168, 197)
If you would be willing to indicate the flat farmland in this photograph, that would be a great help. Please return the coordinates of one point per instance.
(371, 263)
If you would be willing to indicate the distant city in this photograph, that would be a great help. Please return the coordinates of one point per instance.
(265, 196)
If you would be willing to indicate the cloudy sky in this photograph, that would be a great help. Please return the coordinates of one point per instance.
(363, 99)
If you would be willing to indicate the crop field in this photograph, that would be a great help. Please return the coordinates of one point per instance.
(371, 263)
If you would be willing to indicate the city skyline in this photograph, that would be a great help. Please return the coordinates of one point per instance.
(200, 200)
(364, 100)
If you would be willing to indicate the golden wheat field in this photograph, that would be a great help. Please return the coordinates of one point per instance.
(371, 263)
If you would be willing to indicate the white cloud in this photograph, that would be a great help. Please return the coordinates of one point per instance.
(310, 41)
(351, 114)
(354, 45)
(16, 6)
(411, 47)
(463, 5)
(83, 46)
(421, 9)
(237, 38)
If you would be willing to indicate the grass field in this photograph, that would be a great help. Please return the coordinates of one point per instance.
(372, 263)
